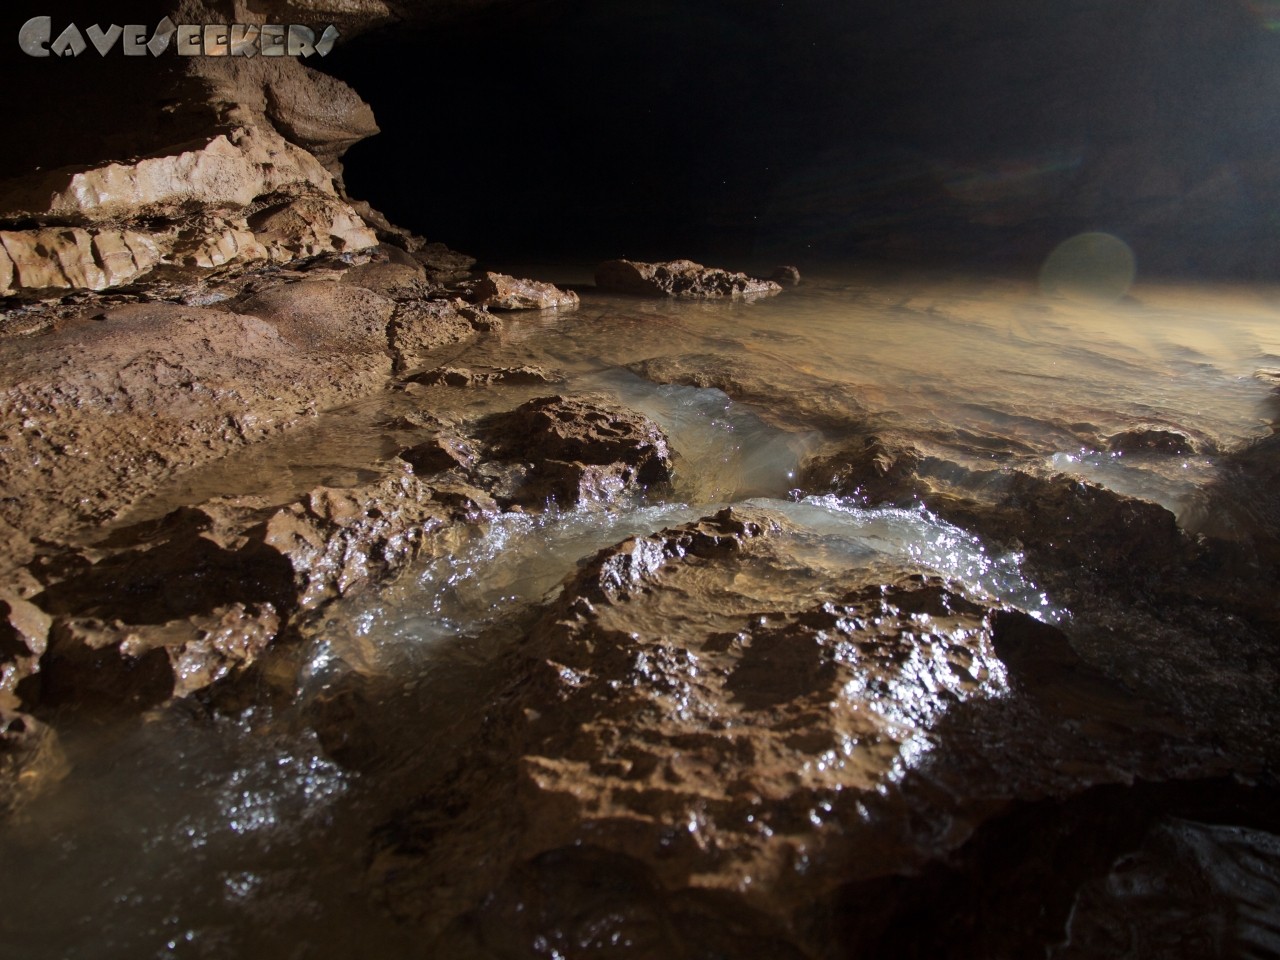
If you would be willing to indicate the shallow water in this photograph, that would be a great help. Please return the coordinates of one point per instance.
(180, 835)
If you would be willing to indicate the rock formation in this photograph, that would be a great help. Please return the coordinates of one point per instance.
(679, 278)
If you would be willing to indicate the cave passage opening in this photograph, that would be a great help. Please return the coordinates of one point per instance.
(756, 133)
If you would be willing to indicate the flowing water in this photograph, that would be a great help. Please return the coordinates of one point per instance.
(189, 835)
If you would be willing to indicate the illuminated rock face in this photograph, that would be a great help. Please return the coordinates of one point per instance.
(242, 171)
(693, 702)
(683, 279)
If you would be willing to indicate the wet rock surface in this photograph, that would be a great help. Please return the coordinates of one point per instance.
(679, 278)
(30, 759)
(497, 291)
(579, 448)
(745, 726)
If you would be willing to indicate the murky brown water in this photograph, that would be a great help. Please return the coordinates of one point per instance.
(177, 835)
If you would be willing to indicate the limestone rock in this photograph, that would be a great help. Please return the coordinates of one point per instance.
(419, 327)
(687, 705)
(498, 291)
(577, 448)
(389, 271)
(442, 264)
(325, 316)
(483, 377)
(1153, 439)
(336, 541)
(24, 635)
(115, 399)
(309, 226)
(116, 666)
(227, 172)
(873, 468)
(679, 278)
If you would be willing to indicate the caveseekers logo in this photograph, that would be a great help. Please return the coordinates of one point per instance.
(190, 39)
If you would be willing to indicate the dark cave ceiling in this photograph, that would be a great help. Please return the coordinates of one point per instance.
(796, 130)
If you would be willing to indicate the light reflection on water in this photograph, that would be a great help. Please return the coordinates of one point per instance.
(174, 837)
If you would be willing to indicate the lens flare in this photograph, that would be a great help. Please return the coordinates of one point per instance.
(1089, 268)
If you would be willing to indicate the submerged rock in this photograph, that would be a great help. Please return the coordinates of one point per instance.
(813, 401)
(497, 291)
(873, 468)
(165, 609)
(30, 759)
(679, 278)
(1152, 439)
(484, 376)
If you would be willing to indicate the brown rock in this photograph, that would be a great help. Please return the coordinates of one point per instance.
(483, 377)
(1065, 523)
(717, 733)
(442, 264)
(24, 635)
(1152, 439)
(786, 276)
(439, 454)
(102, 408)
(498, 291)
(873, 468)
(104, 666)
(812, 402)
(116, 666)
(325, 316)
(167, 608)
(337, 541)
(679, 278)
(391, 272)
(419, 327)
(229, 171)
(30, 759)
(577, 448)
(309, 226)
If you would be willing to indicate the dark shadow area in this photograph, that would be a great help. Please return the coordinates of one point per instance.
(1026, 881)
(942, 133)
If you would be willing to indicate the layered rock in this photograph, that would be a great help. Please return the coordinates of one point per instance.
(679, 278)
(245, 170)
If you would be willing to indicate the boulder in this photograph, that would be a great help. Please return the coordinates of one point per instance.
(679, 278)
(24, 636)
